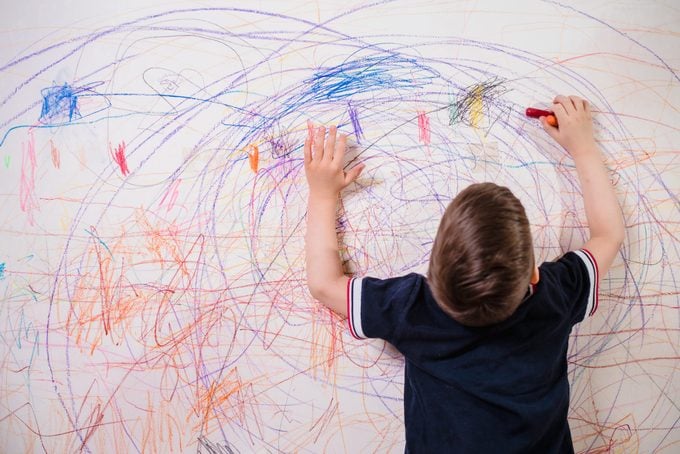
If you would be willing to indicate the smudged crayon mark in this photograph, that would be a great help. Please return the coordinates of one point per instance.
(60, 104)
(7, 160)
(423, 128)
(118, 155)
(56, 157)
(354, 118)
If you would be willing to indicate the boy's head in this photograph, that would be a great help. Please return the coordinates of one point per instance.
(482, 259)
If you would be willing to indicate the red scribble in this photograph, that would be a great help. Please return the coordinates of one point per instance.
(27, 199)
(94, 422)
(118, 155)
(423, 128)
(56, 157)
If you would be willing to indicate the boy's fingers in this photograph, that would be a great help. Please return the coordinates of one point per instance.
(586, 108)
(560, 112)
(308, 150)
(354, 173)
(551, 130)
(564, 103)
(310, 129)
(340, 147)
(330, 143)
(317, 147)
(576, 102)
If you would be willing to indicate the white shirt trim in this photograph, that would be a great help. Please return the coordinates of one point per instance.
(354, 308)
(591, 266)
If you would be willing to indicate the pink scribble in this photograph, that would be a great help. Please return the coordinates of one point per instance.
(423, 128)
(118, 155)
(27, 199)
(171, 195)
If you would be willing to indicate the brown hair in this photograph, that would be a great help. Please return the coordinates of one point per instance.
(482, 257)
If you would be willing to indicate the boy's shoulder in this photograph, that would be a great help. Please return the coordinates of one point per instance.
(404, 307)
(571, 282)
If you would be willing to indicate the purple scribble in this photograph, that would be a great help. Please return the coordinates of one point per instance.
(354, 117)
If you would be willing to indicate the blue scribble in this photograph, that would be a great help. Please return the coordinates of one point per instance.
(355, 77)
(2, 271)
(60, 104)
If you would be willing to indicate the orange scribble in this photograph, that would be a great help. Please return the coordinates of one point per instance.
(103, 303)
(225, 398)
(56, 157)
(253, 157)
(326, 344)
(109, 301)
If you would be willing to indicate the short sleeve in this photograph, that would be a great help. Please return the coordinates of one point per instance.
(377, 307)
(576, 278)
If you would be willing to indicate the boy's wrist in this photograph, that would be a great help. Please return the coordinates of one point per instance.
(583, 150)
(323, 198)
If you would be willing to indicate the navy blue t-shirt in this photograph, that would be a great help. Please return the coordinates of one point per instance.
(501, 388)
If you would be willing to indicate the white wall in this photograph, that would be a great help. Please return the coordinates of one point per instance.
(159, 304)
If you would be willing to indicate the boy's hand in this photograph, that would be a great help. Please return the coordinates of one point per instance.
(575, 125)
(324, 163)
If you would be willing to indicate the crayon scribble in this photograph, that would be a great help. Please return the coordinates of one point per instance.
(423, 128)
(354, 119)
(56, 156)
(118, 155)
(470, 106)
(27, 199)
(60, 104)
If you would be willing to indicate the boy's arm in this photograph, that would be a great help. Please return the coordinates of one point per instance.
(324, 169)
(605, 220)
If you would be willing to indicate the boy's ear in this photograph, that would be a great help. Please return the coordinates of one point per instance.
(535, 277)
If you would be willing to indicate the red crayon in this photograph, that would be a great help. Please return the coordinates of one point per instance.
(536, 113)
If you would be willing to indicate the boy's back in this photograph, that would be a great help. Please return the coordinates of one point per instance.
(501, 388)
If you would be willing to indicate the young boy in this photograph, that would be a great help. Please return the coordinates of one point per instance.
(485, 335)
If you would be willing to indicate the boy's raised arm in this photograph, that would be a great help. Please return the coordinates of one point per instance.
(603, 212)
(326, 178)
